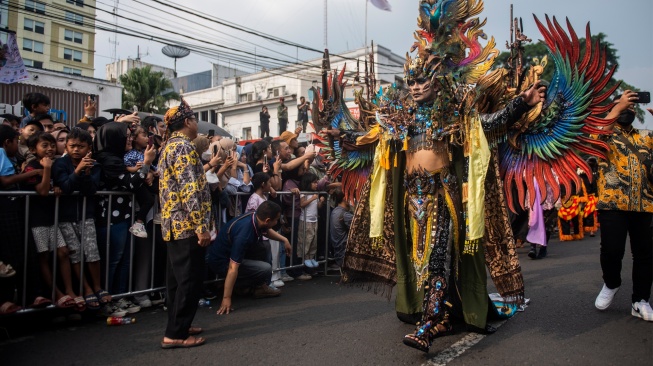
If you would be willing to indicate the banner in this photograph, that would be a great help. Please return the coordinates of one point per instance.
(382, 4)
(12, 67)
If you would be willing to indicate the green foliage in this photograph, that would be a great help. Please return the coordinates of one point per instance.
(539, 50)
(148, 90)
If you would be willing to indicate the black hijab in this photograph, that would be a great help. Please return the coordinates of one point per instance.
(109, 148)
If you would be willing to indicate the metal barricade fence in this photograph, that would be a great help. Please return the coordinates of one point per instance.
(105, 257)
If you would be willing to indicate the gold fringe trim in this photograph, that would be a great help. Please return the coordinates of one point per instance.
(471, 246)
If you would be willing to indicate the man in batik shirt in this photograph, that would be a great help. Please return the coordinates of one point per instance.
(186, 221)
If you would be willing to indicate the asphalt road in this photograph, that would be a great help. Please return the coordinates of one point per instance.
(319, 322)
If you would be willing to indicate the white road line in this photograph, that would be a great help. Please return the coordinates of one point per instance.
(458, 348)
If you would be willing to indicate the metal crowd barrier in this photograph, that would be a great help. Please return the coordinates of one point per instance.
(153, 233)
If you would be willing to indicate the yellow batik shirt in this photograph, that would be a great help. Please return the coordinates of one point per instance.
(183, 190)
(622, 183)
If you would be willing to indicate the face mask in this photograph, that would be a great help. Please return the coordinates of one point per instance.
(626, 118)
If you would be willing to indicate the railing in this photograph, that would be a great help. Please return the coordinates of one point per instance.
(153, 235)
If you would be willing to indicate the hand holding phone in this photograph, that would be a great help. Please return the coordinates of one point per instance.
(150, 141)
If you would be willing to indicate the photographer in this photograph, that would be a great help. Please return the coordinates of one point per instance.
(264, 117)
(625, 204)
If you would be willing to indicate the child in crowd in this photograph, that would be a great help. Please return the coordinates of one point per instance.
(134, 162)
(261, 185)
(36, 104)
(77, 171)
(24, 155)
(47, 236)
(341, 217)
(309, 204)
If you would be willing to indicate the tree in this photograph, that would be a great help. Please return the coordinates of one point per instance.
(539, 50)
(148, 90)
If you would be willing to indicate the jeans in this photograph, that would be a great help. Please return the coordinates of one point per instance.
(119, 258)
(615, 226)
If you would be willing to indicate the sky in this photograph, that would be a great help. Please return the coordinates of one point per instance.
(627, 24)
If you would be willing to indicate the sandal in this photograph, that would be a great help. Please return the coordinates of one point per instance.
(80, 303)
(65, 302)
(6, 270)
(425, 334)
(9, 308)
(40, 302)
(195, 331)
(103, 296)
(92, 302)
(183, 343)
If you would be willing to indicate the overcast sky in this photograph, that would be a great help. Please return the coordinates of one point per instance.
(628, 25)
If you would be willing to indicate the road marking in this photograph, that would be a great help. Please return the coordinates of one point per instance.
(458, 348)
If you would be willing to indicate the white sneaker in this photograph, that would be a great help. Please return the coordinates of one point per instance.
(111, 309)
(642, 310)
(605, 297)
(286, 278)
(143, 301)
(128, 306)
(278, 283)
(138, 230)
(304, 277)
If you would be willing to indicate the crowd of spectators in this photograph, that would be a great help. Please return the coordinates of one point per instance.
(92, 235)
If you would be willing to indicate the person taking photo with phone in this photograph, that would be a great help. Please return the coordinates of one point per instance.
(625, 206)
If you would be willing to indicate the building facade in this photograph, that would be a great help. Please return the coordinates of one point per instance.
(116, 69)
(236, 103)
(56, 35)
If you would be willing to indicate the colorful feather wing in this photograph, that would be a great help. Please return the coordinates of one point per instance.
(550, 148)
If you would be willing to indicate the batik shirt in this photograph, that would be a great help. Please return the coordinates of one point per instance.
(184, 192)
(622, 181)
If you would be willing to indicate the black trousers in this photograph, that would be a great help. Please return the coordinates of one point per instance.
(615, 225)
(283, 124)
(265, 130)
(185, 275)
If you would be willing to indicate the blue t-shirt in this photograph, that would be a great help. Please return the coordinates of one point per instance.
(231, 245)
(6, 165)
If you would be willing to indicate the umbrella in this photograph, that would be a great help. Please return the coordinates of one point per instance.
(117, 111)
(205, 127)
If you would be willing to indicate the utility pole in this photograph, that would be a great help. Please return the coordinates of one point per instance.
(326, 27)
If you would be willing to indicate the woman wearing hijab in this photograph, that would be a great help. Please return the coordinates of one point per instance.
(111, 142)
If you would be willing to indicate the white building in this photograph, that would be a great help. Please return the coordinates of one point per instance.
(116, 69)
(235, 105)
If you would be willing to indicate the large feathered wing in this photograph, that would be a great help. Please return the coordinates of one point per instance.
(353, 152)
(551, 147)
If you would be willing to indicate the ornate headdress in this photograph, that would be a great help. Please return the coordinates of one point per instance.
(447, 42)
(178, 114)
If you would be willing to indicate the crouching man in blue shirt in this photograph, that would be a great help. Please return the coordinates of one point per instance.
(239, 256)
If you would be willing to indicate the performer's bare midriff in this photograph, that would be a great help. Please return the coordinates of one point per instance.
(428, 160)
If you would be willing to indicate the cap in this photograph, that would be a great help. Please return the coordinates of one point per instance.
(287, 136)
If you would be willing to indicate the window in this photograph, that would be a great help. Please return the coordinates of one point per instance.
(73, 36)
(74, 55)
(79, 3)
(35, 6)
(34, 26)
(276, 92)
(247, 133)
(248, 97)
(205, 116)
(70, 70)
(74, 18)
(32, 63)
(34, 46)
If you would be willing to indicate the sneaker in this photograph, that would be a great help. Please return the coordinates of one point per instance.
(128, 306)
(111, 309)
(158, 298)
(333, 267)
(266, 291)
(278, 283)
(533, 252)
(308, 263)
(304, 277)
(542, 253)
(605, 297)
(315, 263)
(642, 310)
(143, 301)
(286, 278)
(138, 229)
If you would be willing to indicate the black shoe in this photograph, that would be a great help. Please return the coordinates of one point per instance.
(542, 253)
(533, 253)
